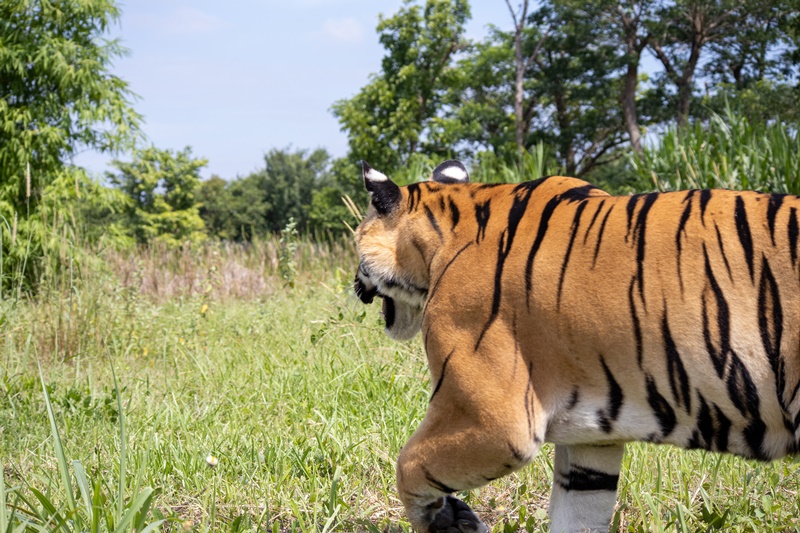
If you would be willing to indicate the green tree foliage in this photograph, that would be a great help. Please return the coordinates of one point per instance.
(569, 94)
(328, 211)
(288, 183)
(390, 118)
(567, 75)
(300, 187)
(57, 94)
(215, 208)
(576, 78)
(161, 189)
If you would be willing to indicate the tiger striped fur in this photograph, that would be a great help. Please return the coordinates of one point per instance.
(554, 312)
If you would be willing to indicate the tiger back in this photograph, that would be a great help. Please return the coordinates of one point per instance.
(554, 312)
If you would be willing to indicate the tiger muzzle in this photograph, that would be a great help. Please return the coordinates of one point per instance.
(364, 293)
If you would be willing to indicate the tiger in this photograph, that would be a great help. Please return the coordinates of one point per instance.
(553, 312)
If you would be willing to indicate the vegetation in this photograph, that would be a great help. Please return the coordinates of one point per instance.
(160, 190)
(186, 354)
(297, 393)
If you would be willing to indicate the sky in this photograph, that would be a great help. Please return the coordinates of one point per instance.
(235, 79)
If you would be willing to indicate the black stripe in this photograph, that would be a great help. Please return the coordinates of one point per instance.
(682, 230)
(600, 236)
(576, 221)
(793, 232)
(775, 201)
(594, 219)
(745, 237)
(661, 407)
(639, 237)
(482, 213)
(444, 270)
(415, 242)
(741, 389)
(432, 220)
(441, 203)
(581, 478)
(615, 399)
(705, 196)
(678, 378)
(515, 453)
(770, 324)
(630, 208)
(454, 214)
(754, 435)
(794, 393)
(637, 329)
(414, 194)
(576, 194)
(441, 376)
(529, 405)
(723, 430)
(540, 233)
(573, 399)
(705, 424)
(722, 252)
(436, 484)
(515, 214)
(718, 356)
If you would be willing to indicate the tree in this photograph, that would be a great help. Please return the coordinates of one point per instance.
(389, 118)
(523, 60)
(215, 207)
(684, 29)
(161, 188)
(751, 52)
(577, 77)
(57, 94)
(328, 211)
(625, 26)
(478, 117)
(288, 185)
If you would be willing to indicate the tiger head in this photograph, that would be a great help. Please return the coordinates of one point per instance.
(392, 249)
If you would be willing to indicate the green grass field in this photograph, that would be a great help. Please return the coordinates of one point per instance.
(298, 394)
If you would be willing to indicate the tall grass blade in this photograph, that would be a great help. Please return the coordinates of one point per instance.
(140, 503)
(59, 449)
(86, 492)
(51, 515)
(123, 448)
(4, 519)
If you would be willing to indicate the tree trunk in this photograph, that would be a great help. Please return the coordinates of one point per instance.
(629, 113)
(519, 134)
(567, 148)
(685, 83)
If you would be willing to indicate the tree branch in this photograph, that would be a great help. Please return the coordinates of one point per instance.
(537, 48)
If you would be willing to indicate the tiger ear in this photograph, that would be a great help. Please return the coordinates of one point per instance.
(451, 171)
(384, 193)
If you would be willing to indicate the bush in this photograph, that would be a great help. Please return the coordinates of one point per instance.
(728, 151)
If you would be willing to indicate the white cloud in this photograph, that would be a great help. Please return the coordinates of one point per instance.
(344, 30)
(182, 21)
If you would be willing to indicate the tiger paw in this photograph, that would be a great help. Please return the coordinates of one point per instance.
(455, 516)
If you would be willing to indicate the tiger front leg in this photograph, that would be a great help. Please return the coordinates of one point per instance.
(449, 454)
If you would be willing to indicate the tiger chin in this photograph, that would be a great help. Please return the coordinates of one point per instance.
(554, 312)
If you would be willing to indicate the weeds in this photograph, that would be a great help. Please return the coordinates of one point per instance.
(727, 152)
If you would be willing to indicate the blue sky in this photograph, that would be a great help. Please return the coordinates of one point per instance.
(235, 79)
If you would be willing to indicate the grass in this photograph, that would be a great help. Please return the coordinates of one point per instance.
(727, 151)
(257, 358)
(299, 395)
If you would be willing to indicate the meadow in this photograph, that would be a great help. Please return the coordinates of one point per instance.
(157, 364)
